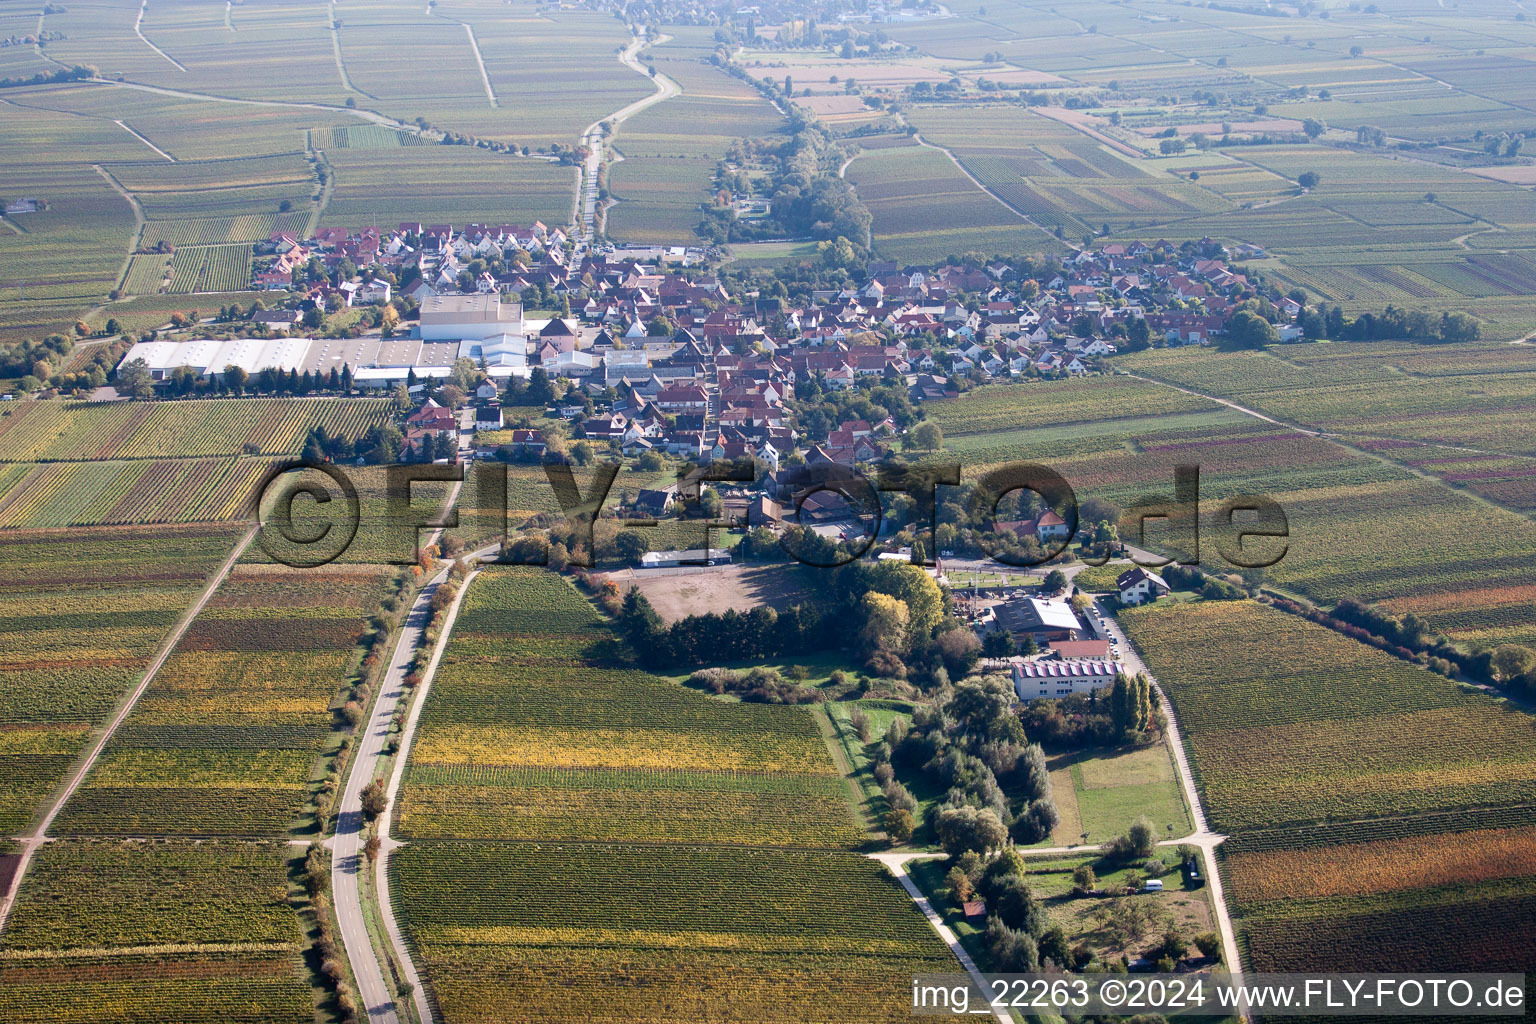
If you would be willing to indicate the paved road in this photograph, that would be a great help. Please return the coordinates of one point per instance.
(30, 843)
(347, 856)
(593, 139)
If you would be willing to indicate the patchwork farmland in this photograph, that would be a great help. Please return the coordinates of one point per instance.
(84, 611)
(1294, 244)
(136, 931)
(1361, 526)
(538, 731)
(233, 733)
(1366, 798)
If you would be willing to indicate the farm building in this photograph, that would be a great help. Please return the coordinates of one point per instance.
(693, 556)
(375, 362)
(1068, 650)
(1033, 680)
(1045, 621)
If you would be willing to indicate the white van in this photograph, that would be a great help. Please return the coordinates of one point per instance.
(1152, 885)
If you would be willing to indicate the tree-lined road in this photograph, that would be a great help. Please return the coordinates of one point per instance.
(348, 858)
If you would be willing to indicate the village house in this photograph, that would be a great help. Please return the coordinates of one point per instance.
(1137, 586)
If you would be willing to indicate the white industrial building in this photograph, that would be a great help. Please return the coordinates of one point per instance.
(504, 355)
(479, 327)
(210, 357)
(1033, 680)
(478, 317)
(693, 556)
(621, 363)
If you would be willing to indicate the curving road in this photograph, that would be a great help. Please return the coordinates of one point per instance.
(592, 138)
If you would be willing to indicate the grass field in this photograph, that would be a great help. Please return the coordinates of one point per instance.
(1104, 794)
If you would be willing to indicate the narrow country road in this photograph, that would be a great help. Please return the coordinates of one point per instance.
(347, 856)
(1202, 837)
(39, 836)
(1026, 218)
(1230, 405)
(138, 30)
(896, 864)
(348, 859)
(592, 138)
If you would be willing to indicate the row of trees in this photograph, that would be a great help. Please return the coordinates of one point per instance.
(721, 636)
(1324, 321)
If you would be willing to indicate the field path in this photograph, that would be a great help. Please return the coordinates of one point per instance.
(1230, 405)
(1026, 218)
(592, 138)
(341, 66)
(485, 79)
(367, 115)
(896, 864)
(325, 194)
(141, 138)
(1202, 837)
(138, 233)
(474, 47)
(39, 836)
(139, 31)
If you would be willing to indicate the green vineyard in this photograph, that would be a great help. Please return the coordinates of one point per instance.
(58, 431)
(213, 268)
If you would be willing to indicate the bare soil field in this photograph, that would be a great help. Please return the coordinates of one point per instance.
(678, 593)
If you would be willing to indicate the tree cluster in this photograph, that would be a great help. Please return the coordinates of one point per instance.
(1019, 935)
(757, 685)
(996, 783)
(1323, 321)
